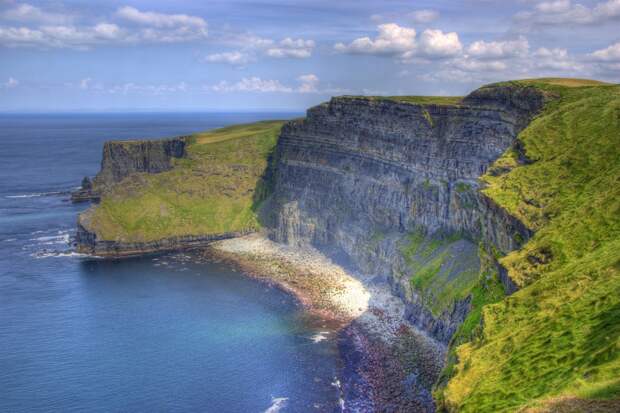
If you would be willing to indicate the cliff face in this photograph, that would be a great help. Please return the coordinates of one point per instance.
(122, 158)
(358, 172)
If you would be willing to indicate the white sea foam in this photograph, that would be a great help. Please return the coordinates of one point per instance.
(336, 384)
(320, 336)
(10, 240)
(60, 254)
(37, 194)
(277, 403)
(62, 238)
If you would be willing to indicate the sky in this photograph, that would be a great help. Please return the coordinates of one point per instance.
(263, 55)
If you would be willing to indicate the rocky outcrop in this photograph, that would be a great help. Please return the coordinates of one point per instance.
(122, 158)
(88, 242)
(358, 167)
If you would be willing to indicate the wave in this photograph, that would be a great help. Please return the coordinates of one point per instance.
(61, 238)
(337, 385)
(320, 336)
(277, 403)
(38, 194)
(60, 254)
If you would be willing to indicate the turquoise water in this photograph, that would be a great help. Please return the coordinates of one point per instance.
(161, 333)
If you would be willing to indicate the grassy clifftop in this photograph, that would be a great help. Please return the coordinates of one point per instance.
(213, 190)
(418, 100)
(555, 344)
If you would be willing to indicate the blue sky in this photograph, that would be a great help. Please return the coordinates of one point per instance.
(273, 55)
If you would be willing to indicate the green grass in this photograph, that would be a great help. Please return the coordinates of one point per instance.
(559, 336)
(554, 81)
(433, 275)
(418, 100)
(213, 190)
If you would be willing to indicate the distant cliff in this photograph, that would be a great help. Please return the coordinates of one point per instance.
(177, 193)
(122, 158)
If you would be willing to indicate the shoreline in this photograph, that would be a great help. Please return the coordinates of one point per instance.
(387, 364)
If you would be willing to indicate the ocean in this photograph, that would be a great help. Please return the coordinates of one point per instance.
(161, 333)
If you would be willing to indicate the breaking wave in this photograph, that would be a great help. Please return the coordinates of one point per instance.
(277, 403)
(38, 194)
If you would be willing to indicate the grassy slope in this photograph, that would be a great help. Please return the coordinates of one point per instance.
(211, 191)
(423, 100)
(438, 273)
(560, 334)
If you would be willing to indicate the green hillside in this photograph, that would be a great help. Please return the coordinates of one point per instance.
(555, 344)
(214, 190)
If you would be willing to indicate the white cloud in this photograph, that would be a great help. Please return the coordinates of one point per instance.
(235, 58)
(148, 27)
(499, 50)
(130, 87)
(473, 65)
(401, 42)
(392, 40)
(556, 59)
(60, 36)
(10, 83)
(295, 48)
(609, 54)
(251, 84)
(85, 83)
(27, 13)
(251, 46)
(309, 83)
(606, 62)
(565, 12)
(557, 6)
(424, 16)
(435, 43)
(161, 20)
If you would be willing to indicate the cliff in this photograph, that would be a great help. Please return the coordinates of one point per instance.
(123, 158)
(359, 172)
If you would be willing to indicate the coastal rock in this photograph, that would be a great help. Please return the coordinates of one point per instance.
(88, 243)
(122, 158)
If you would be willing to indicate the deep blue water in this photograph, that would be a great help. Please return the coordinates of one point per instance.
(156, 334)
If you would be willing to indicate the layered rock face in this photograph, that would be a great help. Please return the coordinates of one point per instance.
(122, 158)
(358, 172)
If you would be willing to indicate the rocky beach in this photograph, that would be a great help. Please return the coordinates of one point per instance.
(387, 362)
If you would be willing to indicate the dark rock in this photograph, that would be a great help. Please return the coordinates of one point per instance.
(122, 158)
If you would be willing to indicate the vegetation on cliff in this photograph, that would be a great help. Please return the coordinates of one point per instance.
(556, 341)
(215, 189)
(417, 100)
(442, 269)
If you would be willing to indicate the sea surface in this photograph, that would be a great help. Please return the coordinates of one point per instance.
(155, 334)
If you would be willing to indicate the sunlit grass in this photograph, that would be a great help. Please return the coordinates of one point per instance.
(560, 334)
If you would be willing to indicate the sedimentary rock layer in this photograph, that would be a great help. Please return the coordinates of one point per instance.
(87, 242)
(357, 170)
